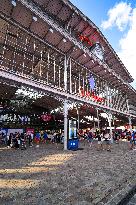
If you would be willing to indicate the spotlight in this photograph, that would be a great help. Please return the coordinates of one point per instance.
(14, 2)
(64, 40)
(51, 30)
(34, 18)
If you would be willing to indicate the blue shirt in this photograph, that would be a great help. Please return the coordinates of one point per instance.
(38, 135)
(45, 136)
(133, 136)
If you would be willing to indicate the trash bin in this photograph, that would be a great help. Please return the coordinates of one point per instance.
(73, 144)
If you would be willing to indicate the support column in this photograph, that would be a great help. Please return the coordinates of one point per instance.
(129, 118)
(110, 120)
(65, 106)
(98, 119)
(78, 118)
(107, 94)
(130, 124)
(65, 124)
(65, 74)
(70, 79)
(94, 123)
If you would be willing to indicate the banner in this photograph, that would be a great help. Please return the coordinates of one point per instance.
(3, 130)
(46, 118)
(29, 131)
(14, 131)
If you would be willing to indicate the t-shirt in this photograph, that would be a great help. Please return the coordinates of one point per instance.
(106, 136)
(133, 136)
(90, 136)
(32, 136)
(45, 136)
(99, 137)
(38, 135)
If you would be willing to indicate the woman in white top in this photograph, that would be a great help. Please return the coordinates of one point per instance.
(107, 140)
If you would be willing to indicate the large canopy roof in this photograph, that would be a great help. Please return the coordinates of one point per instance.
(54, 22)
(67, 15)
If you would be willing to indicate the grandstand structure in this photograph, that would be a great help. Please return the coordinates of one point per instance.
(51, 52)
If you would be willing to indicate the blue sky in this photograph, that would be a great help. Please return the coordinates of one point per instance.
(117, 21)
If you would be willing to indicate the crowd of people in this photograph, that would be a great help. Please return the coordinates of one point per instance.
(22, 140)
(104, 139)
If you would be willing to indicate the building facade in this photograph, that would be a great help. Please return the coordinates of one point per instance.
(50, 48)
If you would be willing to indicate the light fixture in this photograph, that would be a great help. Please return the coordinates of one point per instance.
(34, 18)
(64, 40)
(51, 30)
(14, 2)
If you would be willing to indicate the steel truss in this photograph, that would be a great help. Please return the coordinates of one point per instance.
(44, 89)
(43, 15)
(31, 64)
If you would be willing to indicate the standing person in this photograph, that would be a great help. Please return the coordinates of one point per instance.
(9, 138)
(62, 138)
(54, 137)
(116, 137)
(107, 141)
(4, 138)
(32, 137)
(19, 141)
(85, 138)
(30, 140)
(57, 139)
(16, 145)
(133, 140)
(99, 136)
(45, 137)
(37, 138)
(90, 138)
(23, 141)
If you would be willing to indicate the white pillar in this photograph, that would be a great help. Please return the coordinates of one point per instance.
(130, 124)
(78, 118)
(129, 118)
(110, 120)
(70, 76)
(94, 124)
(65, 124)
(65, 74)
(65, 106)
(98, 119)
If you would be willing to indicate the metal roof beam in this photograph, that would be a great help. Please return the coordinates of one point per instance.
(37, 10)
(3, 16)
(43, 87)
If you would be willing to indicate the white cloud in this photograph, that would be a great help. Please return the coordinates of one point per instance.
(127, 51)
(119, 16)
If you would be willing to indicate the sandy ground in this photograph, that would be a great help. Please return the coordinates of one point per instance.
(50, 176)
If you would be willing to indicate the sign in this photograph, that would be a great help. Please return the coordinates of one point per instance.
(29, 131)
(15, 131)
(87, 40)
(91, 95)
(97, 50)
(46, 118)
(91, 82)
(72, 129)
(95, 47)
(4, 131)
